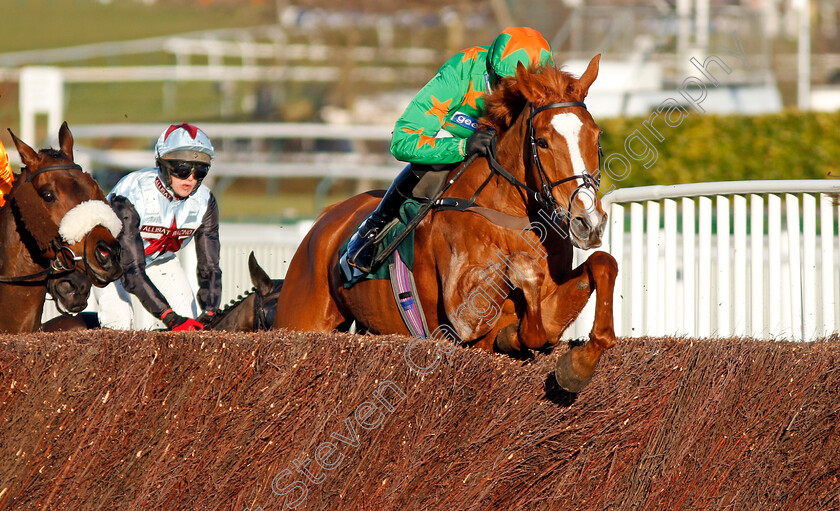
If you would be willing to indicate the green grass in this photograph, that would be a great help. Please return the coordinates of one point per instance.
(135, 102)
(39, 24)
(249, 200)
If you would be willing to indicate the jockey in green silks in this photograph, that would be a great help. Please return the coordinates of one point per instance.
(439, 128)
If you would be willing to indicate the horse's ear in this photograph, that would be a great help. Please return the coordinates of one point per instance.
(589, 75)
(259, 278)
(522, 78)
(28, 156)
(65, 140)
(521, 72)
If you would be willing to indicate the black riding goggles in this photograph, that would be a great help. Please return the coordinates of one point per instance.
(183, 169)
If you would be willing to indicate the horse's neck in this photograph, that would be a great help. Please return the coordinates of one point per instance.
(498, 193)
(22, 305)
(238, 317)
(501, 195)
(15, 257)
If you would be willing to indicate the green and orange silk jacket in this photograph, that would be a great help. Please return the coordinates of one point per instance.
(435, 125)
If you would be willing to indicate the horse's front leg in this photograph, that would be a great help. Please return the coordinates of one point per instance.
(527, 275)
(575, 368)
(476, 303)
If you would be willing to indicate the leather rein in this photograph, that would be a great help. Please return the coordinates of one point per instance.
(544, 196)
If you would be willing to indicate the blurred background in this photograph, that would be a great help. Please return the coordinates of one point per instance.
(299, 97)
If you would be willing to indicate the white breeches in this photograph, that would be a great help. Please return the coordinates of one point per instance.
(118, 310)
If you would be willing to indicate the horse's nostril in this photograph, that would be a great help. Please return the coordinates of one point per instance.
(103, 254)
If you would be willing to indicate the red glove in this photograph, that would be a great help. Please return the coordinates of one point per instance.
(178, 323)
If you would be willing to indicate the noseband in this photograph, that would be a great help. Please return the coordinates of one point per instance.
(65, 259)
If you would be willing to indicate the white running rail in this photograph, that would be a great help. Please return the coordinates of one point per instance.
(744, 258)
(724, 259)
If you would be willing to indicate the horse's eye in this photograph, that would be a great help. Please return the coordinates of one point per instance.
(48, 195)
(542, 143)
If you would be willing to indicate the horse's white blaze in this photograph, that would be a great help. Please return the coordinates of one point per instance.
(568, 125)
(84, 217)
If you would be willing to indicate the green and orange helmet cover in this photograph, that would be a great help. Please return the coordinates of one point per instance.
(515, 45)
(435, 125)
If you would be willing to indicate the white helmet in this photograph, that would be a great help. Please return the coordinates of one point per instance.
(184, 142)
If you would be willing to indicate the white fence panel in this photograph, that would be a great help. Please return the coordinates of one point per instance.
(682, 271)
(739, 265)
(689, 319)
(828, 269)
(732, 273)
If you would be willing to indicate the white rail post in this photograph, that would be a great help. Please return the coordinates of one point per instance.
(739, 267)
(778, 298)
(792, 205)
(829, 282)
(689, 295)
(617, 251)
(41, 92)
(809, 267)
(704, 268)
(652, 313)
(758, 328)
(637, 271)
(669, 297)
(775, 322)
(723, 260)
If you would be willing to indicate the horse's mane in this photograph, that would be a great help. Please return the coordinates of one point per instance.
(54, 153)
(221, 313)
(541, 86)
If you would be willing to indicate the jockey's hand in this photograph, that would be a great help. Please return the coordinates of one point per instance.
(206, 317)
(480, 143)
(178, 323)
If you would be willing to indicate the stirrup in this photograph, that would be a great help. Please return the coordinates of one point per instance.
(370, 244)
(365, 250)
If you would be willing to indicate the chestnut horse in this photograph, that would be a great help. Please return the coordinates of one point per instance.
(500, 275)
(56, 221)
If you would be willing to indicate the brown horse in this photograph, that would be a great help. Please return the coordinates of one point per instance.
(57, 220)
(499, 276)
(255, 310)
(70, 291)
(251, 312)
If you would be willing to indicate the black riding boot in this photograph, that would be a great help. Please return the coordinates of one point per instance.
(361, 248)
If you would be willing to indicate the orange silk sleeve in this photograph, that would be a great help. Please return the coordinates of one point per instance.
(6, 176)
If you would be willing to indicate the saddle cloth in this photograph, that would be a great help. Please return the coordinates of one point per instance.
(397, 268)
(351, 275)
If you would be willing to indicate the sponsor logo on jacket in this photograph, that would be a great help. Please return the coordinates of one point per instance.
(465, 121)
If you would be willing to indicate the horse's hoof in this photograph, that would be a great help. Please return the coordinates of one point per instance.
(504, 338)
(567, 377)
